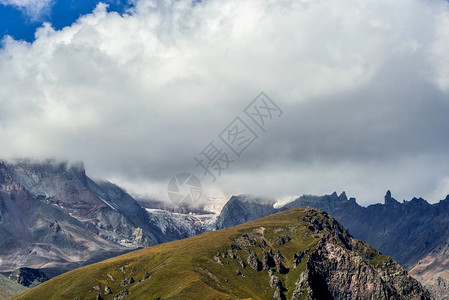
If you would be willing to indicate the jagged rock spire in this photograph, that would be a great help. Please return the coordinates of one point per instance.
(387, 196)
(390, 200)
(343, 196)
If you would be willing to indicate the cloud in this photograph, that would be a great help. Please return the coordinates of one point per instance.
(439, 50)
(363, 85)
(32, 8)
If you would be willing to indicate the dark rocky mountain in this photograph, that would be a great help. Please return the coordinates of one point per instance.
(28, 277)
(301, 253)
(244, 208)
(50, 217)
(415, 233)
(54, 217)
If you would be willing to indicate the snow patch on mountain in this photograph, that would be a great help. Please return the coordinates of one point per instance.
(189, 224)
(109, 204)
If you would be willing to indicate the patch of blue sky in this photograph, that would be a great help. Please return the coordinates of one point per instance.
(15, 22)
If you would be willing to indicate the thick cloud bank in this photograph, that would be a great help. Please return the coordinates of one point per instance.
(364, 86)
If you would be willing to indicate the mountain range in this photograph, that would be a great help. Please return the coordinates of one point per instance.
(415, 233)
(301, 253)
(53, 217)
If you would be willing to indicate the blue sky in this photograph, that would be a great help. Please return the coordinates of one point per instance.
(16, 22)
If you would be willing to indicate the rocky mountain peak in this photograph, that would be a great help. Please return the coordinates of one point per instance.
(334, 197)
(419, 202)
(388, 196)
(343, 196)
(389, 200)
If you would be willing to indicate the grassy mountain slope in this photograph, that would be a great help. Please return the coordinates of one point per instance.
(296, 254)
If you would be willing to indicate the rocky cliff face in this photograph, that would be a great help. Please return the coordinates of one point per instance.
(28, 277)
(50, 217)
(101, 205)
(346, 275)
(433, 271)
